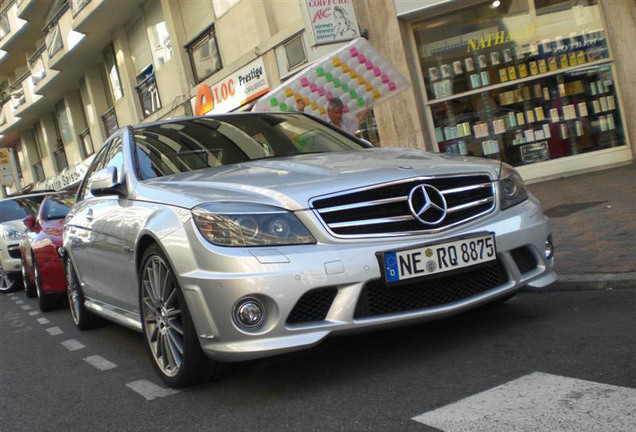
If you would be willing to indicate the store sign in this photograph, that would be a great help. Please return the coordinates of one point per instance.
(332, 20)
(69, 176)
(244, 85)
(501, 37)
(6, 175)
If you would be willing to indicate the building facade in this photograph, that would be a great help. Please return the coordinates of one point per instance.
(545, 85)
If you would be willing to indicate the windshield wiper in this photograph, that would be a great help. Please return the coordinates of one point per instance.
(287, 154)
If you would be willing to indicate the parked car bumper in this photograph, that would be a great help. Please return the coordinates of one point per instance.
(10, 261)
(215, 279)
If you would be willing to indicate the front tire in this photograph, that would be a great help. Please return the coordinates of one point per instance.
(47, 301)
(29, 288)
(169, 333)
(82, 318)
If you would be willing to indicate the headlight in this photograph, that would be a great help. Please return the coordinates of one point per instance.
(512, 189)
(12, 234)
(238, 224)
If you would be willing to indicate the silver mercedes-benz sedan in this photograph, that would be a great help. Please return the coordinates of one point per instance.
(242, 236)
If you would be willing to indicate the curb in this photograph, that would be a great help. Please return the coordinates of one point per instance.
(593, 281)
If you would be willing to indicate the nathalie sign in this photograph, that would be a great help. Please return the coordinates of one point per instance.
(231, 92)
(332, 20)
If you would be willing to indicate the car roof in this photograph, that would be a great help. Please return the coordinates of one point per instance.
(213, 117)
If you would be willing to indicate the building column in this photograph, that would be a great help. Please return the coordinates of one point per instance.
(400, 120)
(49, 134)
(97, 105)
(74, 107)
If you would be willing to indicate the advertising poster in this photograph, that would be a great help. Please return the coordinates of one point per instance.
(332, 20)
(233, 91)
(356, 74)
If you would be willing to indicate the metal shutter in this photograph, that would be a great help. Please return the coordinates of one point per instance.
(139, 47)
(197, 15)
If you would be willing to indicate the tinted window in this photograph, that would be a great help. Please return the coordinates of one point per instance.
(189, 145)
(57, 207)
(19, 208)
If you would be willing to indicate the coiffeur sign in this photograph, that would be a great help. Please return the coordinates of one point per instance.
(239, 88)
(332, 20)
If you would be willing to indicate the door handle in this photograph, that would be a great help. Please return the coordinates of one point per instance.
(89, 215)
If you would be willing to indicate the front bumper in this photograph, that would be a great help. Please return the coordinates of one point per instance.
(9, 263)
(213, 279)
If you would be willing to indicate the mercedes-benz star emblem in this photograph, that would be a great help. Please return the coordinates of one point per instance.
(427, 204)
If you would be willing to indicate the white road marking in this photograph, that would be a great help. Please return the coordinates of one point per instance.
(72, 345)
(43, 321)
(34, 313)
(54, 331)
(539, 402)
(150, 390)
(19, 302)
(25, 307)
(100, 363)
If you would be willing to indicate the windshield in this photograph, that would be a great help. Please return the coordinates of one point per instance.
(19, 208)
(58, 206)
(188, 145)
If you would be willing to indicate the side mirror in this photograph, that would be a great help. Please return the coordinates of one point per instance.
(29, 221)
(104, 182)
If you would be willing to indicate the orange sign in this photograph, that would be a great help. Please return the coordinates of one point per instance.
(242, 86)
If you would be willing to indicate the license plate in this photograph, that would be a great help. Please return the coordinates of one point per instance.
(438, 258)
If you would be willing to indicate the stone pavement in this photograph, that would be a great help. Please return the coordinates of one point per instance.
(593, 221)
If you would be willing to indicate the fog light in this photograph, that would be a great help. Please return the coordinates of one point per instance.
(248, 313)
(549, 248)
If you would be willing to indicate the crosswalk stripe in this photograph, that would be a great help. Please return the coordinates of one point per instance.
(539, 402)
(150, 390)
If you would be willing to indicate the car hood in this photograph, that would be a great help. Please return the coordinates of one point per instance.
(290, 182)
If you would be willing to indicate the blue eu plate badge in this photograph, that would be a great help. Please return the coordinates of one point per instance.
(391, 267)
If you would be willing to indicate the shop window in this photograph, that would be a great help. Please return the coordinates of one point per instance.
(204, 55)
(525, 82)
(113, 72)
(295, 52)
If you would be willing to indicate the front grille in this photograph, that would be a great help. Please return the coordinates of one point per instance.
(376, 298)
(14, 251)
(525, 259)
(384, 209)
(313, 306)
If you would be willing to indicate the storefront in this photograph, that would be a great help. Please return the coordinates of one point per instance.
(530, 82)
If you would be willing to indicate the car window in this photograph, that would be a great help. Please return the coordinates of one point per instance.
(84, 191)
(58, 206)
(19, 208)
(115, 156)
(193, 144)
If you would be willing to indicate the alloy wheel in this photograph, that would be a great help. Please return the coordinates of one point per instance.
(38, 280)
(6, 282)
(162, 317)
(72, 290)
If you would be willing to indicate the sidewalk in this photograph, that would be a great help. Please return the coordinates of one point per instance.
(593, 221)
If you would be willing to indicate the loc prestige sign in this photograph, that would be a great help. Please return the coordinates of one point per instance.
(233, 91)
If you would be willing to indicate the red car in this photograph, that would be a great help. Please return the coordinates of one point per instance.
(42, 268)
